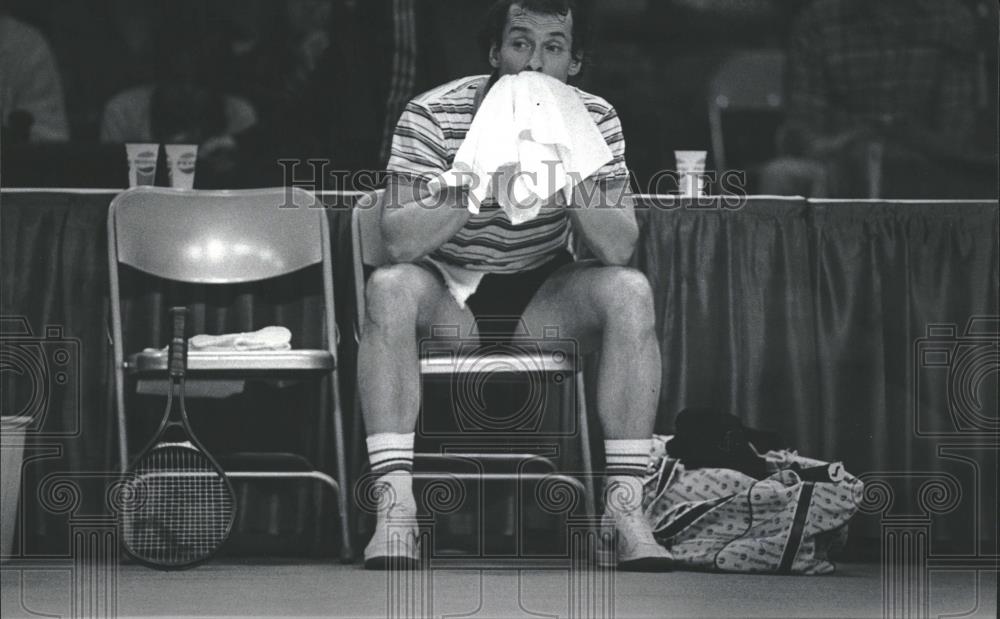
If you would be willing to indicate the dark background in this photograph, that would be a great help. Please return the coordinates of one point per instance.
(652, 59)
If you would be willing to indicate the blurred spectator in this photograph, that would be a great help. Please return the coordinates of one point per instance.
(103, 47)
(31, 95)
(133, 28)
(875, 87)
(328, 78)
(184, 104)
(316, 76)
(245, 26)
(276, 58)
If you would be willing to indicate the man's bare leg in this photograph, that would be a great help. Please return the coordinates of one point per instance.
(403, 302)
(611, 309)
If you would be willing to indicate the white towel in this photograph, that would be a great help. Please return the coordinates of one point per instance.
(535, 131)
(268, 338)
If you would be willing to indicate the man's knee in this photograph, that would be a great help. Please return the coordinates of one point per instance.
(624, 294)
(393, 293)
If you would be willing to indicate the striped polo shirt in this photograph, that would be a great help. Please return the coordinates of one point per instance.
(429, 133)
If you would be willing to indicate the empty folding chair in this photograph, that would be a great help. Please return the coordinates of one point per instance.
(214, 239)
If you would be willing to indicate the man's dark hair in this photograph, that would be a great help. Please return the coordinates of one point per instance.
(496, 21)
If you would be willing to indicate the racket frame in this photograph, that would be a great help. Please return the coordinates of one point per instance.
(178, 423)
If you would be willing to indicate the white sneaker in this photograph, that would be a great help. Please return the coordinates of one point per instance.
(632, 546)
(396, 542)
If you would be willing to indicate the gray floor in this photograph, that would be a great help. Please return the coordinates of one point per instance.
(271, 589)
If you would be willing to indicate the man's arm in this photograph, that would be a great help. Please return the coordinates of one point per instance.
(602, 214)
(416, 221)
(601, 211)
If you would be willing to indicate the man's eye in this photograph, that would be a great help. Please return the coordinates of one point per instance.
(555, 49)
(519, 45)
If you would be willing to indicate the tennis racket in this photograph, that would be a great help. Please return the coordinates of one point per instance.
(179, 506)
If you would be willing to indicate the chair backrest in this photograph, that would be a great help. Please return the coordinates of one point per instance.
(217, 237)
(368, 247)
(751, 80)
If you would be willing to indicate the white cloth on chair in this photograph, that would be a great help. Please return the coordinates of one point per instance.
(531, 138)
(268, 338)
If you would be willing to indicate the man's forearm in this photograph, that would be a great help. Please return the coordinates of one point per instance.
(415, 222)
(605, 221)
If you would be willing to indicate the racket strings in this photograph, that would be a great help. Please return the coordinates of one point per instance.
(180, 508)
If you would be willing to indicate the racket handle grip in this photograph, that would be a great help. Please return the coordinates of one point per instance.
(178, 342)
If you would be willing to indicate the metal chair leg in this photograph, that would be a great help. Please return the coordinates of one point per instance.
(585, 452)
(346, 550)
(122, 428)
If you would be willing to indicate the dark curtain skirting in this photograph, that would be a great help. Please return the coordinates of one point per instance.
(802, 318)
(807, 319)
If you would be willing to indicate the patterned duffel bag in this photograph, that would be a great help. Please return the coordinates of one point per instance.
(721, 519)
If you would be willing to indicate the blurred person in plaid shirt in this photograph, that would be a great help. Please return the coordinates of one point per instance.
(874, 87)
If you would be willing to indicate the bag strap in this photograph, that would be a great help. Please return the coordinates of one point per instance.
(688, 518)
(798, 526)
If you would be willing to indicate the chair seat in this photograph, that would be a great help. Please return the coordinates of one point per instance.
(442, 362)
(305, 360)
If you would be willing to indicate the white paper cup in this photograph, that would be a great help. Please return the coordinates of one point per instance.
(691, 170)
(142, 163)
(181, 160)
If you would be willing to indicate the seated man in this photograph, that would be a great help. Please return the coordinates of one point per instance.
(529, 273)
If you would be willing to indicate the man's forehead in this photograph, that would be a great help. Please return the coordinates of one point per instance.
(518, 17)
